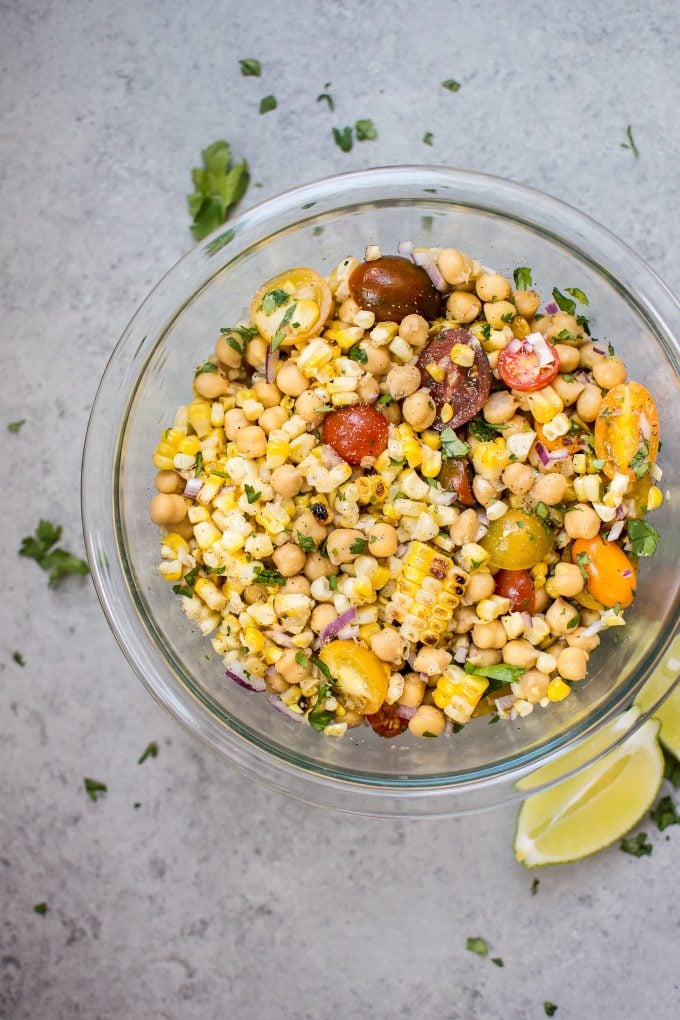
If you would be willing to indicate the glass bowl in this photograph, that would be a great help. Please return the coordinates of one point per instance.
(504, 225)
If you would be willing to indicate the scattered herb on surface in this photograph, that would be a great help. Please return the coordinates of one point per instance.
(14, 426)
(18, 658)
(522, 278)
(451, 84)
(218, 185)
(577, 293)
(665, 814)
(274, 299)
(637, 846)
(343, 138)
(150, 751)
(630, 144)
(40, 908)
(565, 304)
(326, 97)
(550, 1008)
(365, 130)
(671, 770)
(477, 945)
(94, 788)
(250, 68)
(267, 104)
(497, 960)
(57, 562)
(428, 137)
(542, 511)
(534, 886)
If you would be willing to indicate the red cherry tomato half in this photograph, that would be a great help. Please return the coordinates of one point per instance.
(517, 586)
(356, 432)
(465, 389)
(520, 369)
(455, 476)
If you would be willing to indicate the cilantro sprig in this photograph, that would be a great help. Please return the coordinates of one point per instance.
(522, 278)
(150, 751)
(452, 446)
(56, 561)
(218, 185)
(498, 675)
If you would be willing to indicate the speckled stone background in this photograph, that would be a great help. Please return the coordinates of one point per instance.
(216, 898)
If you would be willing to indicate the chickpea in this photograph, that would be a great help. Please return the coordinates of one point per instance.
(541, 600)
(432, 661)
(392, 412)
(484, 656)
(533, 686)
(549, 489)
(388, 645)
(587, 355)
(234, 421)
(419, 410)
(170, 482)
(414, 329)
(495, 312)
(461, 306)
(167, 509)
(464, 620)
(568, 580)
(306, 406)
(559, 616)
(322, 616)
(589, 403)
(489, 635)
(340, 542)
(575, 639)
(527, 302)
(464, 529)
(352, 718)
(572, 663)
(318, 566)
(289, 669)
(348, 309)
(454, 266)
(267, 393)
(581, 522)
(307, 525)
(569, 357)
(211, 385)
(480, 586)
(254, 593)
(382, 540)
(256, 352)
(484, 491)
(552, 325)
(270, 419)
(520, 653)
(568, 390)
(228, 355)
(490, 286)
(608, 372)
(519, 478)
(500, 407)
(290, 379)
(287, 480)
(251, 442)
(377, 359)
(368, 390)
(289, 559)
(402, 381)
(427, 719)
(413, 692)
(297, 585)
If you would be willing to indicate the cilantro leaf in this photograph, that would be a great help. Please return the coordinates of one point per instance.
(497, 960)
(301, 659)
(477, 945)
(583, 323)
(319, 717)
(522, 278)
(183, 589)
(280, 335)
(14, 426)
(640, 462)
(358, 546)
(306, 543)
(343, 138)
(150, 751)
(365, 130)
(481, 430)
(93, 787)
(564, 303)
(198, 464)
(630, 144)
(451, 84)
(671, 769)
(18, 658)
(270, 578)
(582, 561)
(498, 675)
(664, 814)
(549, 1008)
(218, 185)
(251, 494)
(250, 68)
(358, 354)
(323, 669)
(326, 97)
(534, 886)
(637, 846)
(427, 138)
(542, 511)
(274, 299)
(643, 537)
(267, 104)
(577, 293)
(40, 908)
(57, 562)
(206, 368)
(452, 446)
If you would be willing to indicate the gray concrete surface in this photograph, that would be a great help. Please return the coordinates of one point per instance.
(216, 898)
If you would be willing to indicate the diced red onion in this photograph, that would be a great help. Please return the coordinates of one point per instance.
(438, 280)
(514, 346)
(598, 350)
(594, 629)
(561, 454)
(552, 308)
(505, 702)
(620, 512)
(271, 360)
(483, 520)
(406, 712)
(614, 533)
(401, 548)
(350, 633)
(460, 655)
(284, 709)
(336, 625)
(448, 728)
(192, 488)
(645, 427)
(540, 347)
(253, 683)
(543, 454)
(584, 378)
(424, 257)
(411, 659)
(627, 572)
(405, 247)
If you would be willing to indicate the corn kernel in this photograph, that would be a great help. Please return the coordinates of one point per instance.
(170, 570)
(206, 534)
(437, 372)
(198, 415)
(431, 439)
(401, 350)
(380, 578)
(545, 404)
(431, 463)
(579, 460)
(190, 445)
(368, 630)
(175, 542)
(557, 689)
(384, 332)
(463, 355)
(253, 639)
(210, 593)
(654, 498)
(446, 413)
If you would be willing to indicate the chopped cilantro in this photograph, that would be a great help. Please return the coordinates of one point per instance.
(250, 68)
(270, 578)
(218, 185)
(319, 717)
(451, 84)
(636, 846)
(534, 886)
(522, 278)
(306, 543)
(643, 537)
(343, 138)
(183, 589)
(498, 675)
(40, 908)
(150, 751)
(333, 582)
(365, 130)
(508, 317)
(582, 561)
(497, 960)
(301, 659)
(630, 144)
(542, 511)
(427, 138)
(214, 570)
(18, 658)
(326, 97)
(14, 426)
(199, 464)
(93, 787)
(274, 299)
(452, 446)
(665, 814)
(485, 330)
(610, 349)
(385, 399)
(671, 769)
(279, 336)
(426, 733)
(477, 945)
(323, 669)
(583, 323)
(550, 1008)
(267, 104)
(251, 494)
(358, 546)
(481, 430)
(207, 366)
(577, 293)
(494, 719)
(245, 332)
(640, 462)
(564, 303)
(358, 354)
(57, 562)
(564, 334)
(323, 409)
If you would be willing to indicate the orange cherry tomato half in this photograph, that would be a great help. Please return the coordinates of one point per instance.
(517, 586)
(611, 577)
(520, 369)
(572, 443)
(360, 678)
(356, 432)
(627, 431)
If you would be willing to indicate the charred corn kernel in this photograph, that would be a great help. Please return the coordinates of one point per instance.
(580, 462)
(539, 574)
(559, 426)
(198, 415)
(272, 654)
(170, 570)
(371, 490)
(446, 413)
(167, 448)
(348, 336)
(654, 498)
(174, 543)
(210, 593)
(463, 355)
(411, 447)
(384, 332)
(490, 459)
(436, 372)
(545, 404)
(431, 439)
(473, 556)
(253, 639)
(557, 689)
(428, 590)
(278, 449)
(588, 488)
(368, 630)
(380, 578)
(458, 693)
(313, 356)
(190, 445)
(431, 463)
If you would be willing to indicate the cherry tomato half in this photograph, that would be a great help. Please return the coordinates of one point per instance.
(292, 306)
(520, 369)
(516, 541)
(393, 287)
(356, 432)
(517, 586)
(360, 677)
(611, 577)
(464, 389)
(627, 431)
(387, 722)
(455, 476)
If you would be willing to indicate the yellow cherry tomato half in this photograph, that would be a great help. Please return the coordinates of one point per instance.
(291, 307)
(627, 431)
(517, 541)
(611, 577)
(360, 677)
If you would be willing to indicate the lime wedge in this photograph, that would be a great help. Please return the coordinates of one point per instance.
(661, 681)
(591, 810)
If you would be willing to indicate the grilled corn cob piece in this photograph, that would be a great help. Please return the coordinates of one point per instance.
(458, 693)
(428, 591)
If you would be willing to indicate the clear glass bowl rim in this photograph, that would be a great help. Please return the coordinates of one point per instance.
(99, 505)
